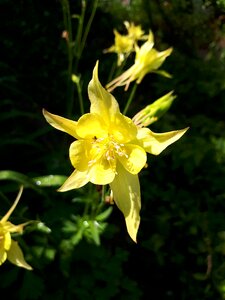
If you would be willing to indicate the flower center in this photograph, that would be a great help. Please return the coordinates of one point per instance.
(107, 148)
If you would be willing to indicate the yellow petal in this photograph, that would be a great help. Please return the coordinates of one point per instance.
(61, 123)
(123, 129)
(80, 154)
(155, 143)
(102, 172)
(134, 160)
(15, 256)
(102, 102)
(15, 228)
(126, 194)
(7, 241)
(146, 47)
(3, 255)
(76, 180)
(91, 125)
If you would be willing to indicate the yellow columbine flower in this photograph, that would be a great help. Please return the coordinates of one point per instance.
(110, 149)
(9, 249)
(147, 60)
(125, 44)
(135, 31)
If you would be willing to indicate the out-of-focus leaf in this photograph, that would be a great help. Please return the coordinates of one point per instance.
(94, 229)
(20, 178)
(105, 214)
(50, 180)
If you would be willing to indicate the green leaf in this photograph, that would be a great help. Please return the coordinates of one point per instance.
(94, 229)
(20, 178)
(50, 180)
(104, 215)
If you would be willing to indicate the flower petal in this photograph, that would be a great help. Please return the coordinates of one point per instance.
(91, 125)
(15, 256)
(3, 255)
(155, 143)
(102, 172)
(7, 241)
(135, 158)
(61, 123)
(80, 154)
(102, 102)
(76, 180)
(126, 193)
(14, 228)
(123, 129)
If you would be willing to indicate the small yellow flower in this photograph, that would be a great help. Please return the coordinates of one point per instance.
(135, 32)
(147, 60)
(9, 249)
(125, 44)
(110, 149)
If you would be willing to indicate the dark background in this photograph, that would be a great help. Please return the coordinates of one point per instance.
(181, 239)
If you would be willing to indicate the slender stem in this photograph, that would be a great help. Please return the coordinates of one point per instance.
(113, 68)
(7, 215)
(88, 26)
(103, 194)
(102, 203)
(69, 39)
(80, 97)
(131, 97)
(78, 41)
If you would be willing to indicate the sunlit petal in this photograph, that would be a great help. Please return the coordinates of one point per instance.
(102, 102)
(61, 123)
(6, 241)
(134, 160)
(15, 256)
(80, 154)
(123, 129)
(76, 180)
(91, 125)
(3, 255)
(155, 143)
(102, 172)
(126, 194)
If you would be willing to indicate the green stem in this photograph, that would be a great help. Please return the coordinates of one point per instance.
(131, 97)
(78, 41)
(88, 26)
(68, 28)
(99, 206)
(103, 194)
(80, 97)
(113, 68)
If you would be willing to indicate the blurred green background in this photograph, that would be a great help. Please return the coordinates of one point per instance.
(180, 252)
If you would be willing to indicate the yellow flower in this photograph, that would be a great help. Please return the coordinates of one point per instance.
(125, 44)
(147, 60)
(9, 249)
(110, 149)
(135, 32)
